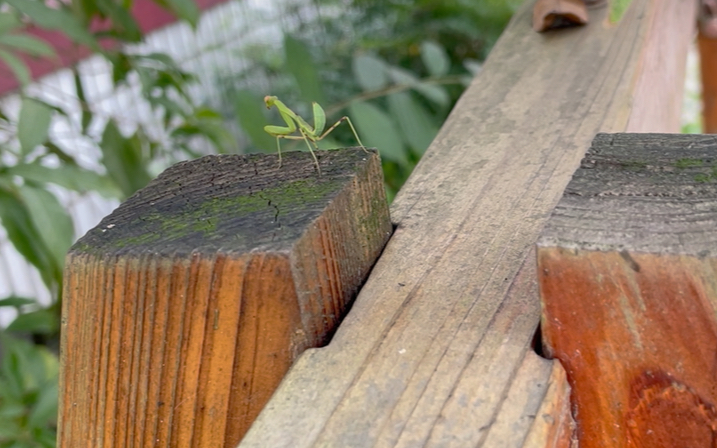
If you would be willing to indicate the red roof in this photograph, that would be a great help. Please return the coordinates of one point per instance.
(148, 14)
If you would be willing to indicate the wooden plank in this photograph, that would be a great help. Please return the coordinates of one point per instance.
(431, 318)
(629, 290)
(554, 425)
(522, 407)
(708, 69)
(186, 306)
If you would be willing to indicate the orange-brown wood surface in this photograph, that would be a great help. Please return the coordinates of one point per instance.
(626, 266)
(708, 65)
(637, 338)
(184, 309)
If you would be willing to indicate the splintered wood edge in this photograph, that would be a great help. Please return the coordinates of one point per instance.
(554, 426)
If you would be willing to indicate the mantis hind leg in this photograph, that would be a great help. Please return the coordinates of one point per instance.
(311, 150)
(353, 129)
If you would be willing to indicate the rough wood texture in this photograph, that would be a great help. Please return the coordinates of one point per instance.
(554, 425)
(708, 67)
(185, 307)
(433, 345)
(627, 274)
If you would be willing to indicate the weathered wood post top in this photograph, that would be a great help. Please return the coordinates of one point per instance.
(185, 307)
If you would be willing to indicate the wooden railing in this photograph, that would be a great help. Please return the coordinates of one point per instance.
(438, 347)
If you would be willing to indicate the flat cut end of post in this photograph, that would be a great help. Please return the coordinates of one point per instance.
(234, 203)
(643, 193)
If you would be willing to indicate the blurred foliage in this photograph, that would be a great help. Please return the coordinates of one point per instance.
(396, 67)
(34, 167)
(28, 394)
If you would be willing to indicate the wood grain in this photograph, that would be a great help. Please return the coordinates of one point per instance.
(629, 290)
(186, 306)
(554, 425)
(444, 321)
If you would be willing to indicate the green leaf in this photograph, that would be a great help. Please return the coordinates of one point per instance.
(121, 66)
(44, 410)
(300, 64)
(208, 124)
(50, 219)
(16, 301)
(435, 58)
(8, 22)
(55, 19)
(26, 369)
(21, 232)
(85, 9)
(122, 20)
(123, 159)
(250, 113)
(27, 44)
(618, 9)
(42, 321)
(378, 130)
(80, 90)
(68, 176)
(431, 92)
(370, 72)
(33, 124)
(53, 149)
(473, 66)
(18, 67)
(170, 106)
(184, 9)
(416, 123)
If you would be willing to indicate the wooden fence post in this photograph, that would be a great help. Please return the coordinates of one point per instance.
(626, 266)
(185, 307)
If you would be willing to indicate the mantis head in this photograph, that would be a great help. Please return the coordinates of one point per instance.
(270, 101)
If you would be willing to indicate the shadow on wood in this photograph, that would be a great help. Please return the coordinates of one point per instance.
(626, 266)
(186, 306)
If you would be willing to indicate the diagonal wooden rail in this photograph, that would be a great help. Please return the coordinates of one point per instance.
(437, 348)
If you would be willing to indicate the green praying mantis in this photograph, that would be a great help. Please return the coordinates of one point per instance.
(306, 132)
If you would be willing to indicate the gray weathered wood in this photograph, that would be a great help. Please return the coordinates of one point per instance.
(442, 326)
(652, 193)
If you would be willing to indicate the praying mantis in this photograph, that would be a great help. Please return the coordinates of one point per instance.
(306, 132)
